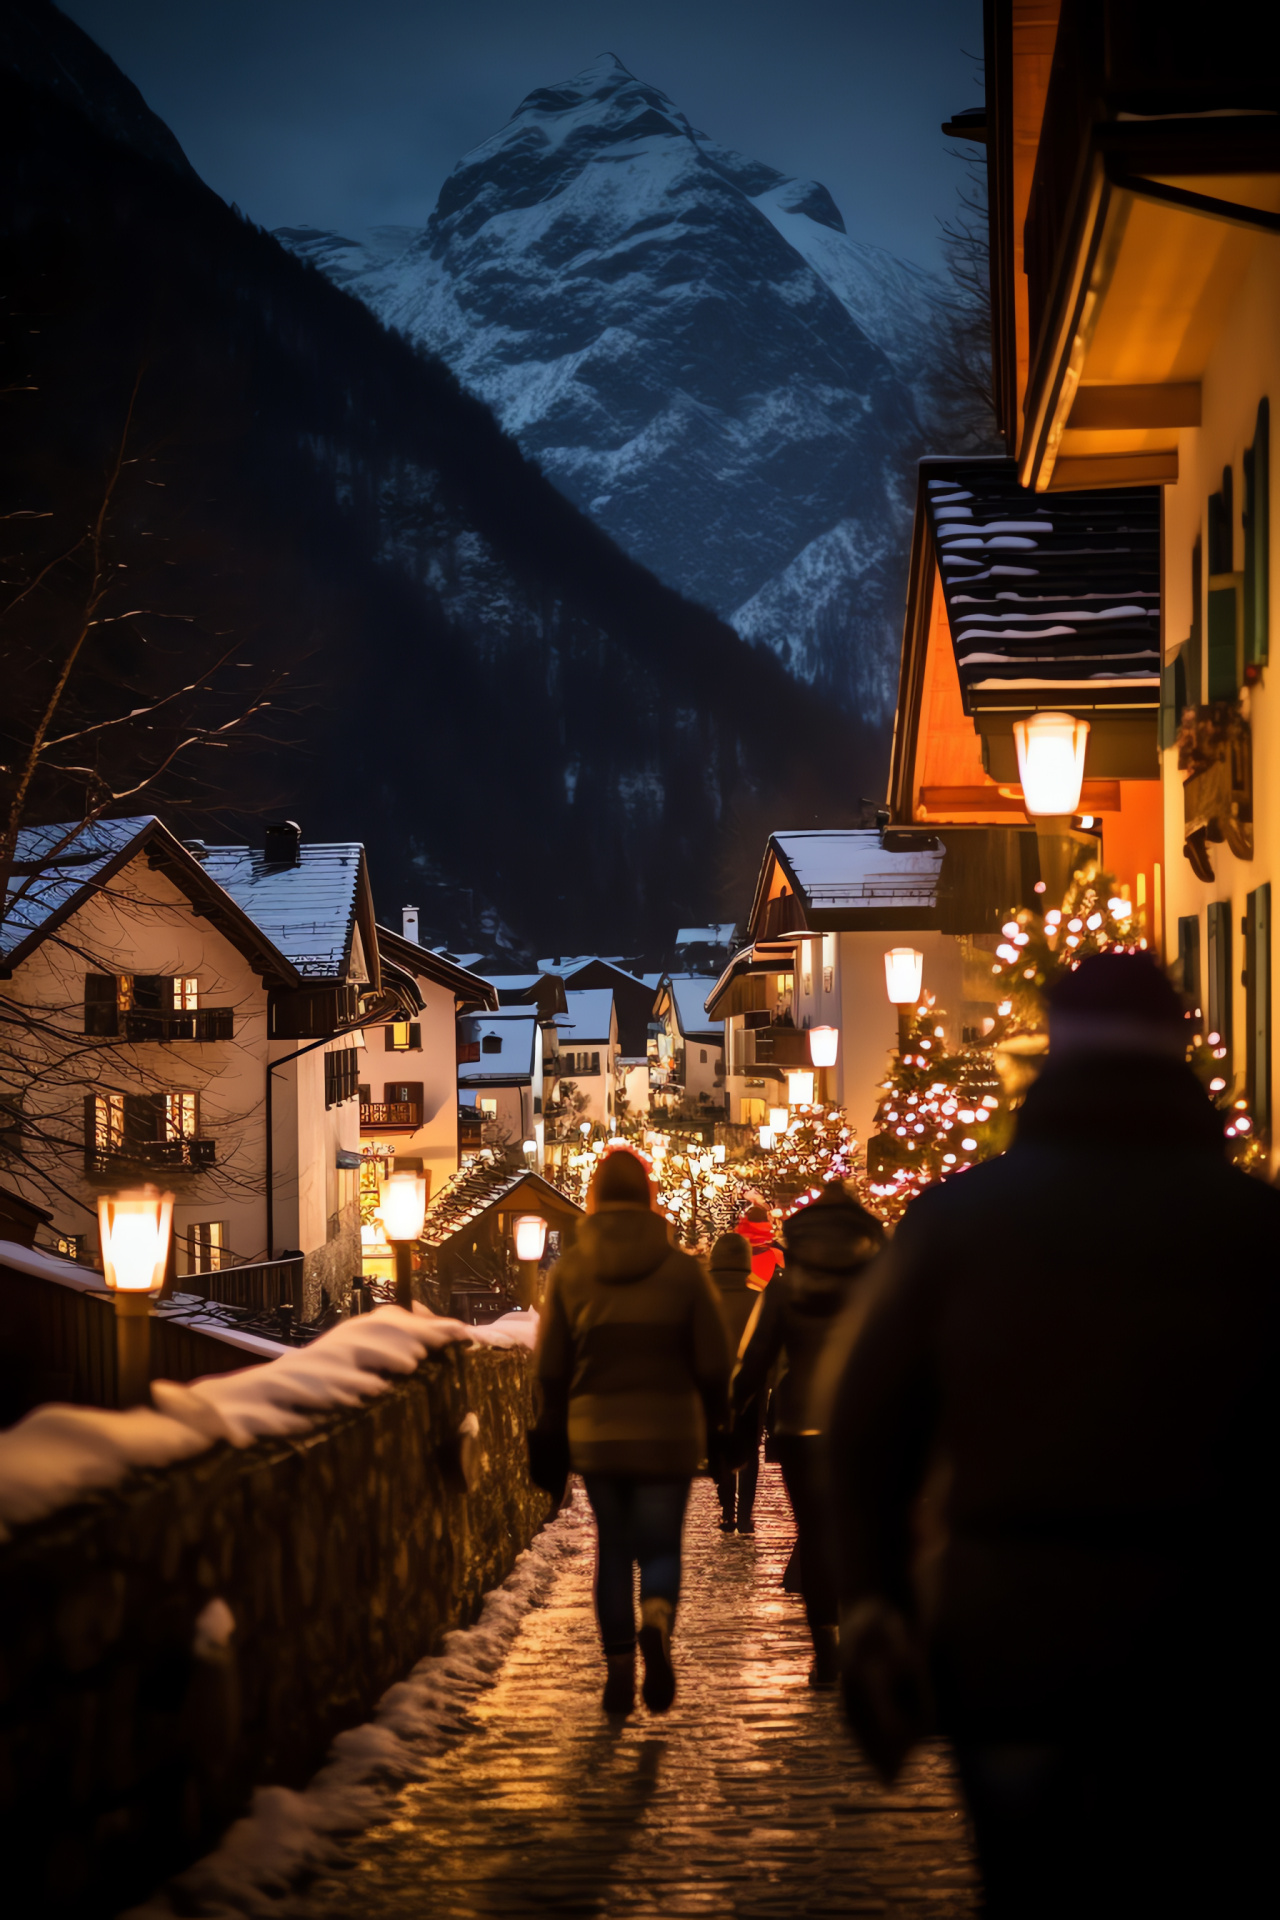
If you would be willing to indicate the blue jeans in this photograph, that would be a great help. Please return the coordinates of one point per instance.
(636, 1520)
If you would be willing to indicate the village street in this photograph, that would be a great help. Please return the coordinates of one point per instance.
(747, 1799)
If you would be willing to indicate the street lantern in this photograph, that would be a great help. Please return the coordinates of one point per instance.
(903, 973)
(824, 1045)
(134, 1229)
(766, 1138)
(778, 1119)
(718, 1153)
(584, 1128)
(530, 1232)
(1051, 750)
(531, 1236)
(800, 1088)
(403, 1206)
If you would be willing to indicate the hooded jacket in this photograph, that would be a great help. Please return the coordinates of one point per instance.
(731, 1278)
(829, 1247)
(1076, 1347)
(632, 1351)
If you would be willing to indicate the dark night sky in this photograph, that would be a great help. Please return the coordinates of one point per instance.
(349, 113)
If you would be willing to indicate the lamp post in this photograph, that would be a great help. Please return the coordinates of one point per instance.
(824, 1050)
(903, 974)
(134, 1229)
(1051, 750)
(531, 1242)
(403, 1206)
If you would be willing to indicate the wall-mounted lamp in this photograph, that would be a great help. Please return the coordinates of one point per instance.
(134, 1229)
(531, 1243)
(800, 1088)
(1051, 749)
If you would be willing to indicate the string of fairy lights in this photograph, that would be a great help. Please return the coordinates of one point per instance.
(943, 1108)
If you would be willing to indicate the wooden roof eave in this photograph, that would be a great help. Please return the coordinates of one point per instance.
(921, 576)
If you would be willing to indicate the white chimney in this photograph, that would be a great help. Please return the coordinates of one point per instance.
(409, 918)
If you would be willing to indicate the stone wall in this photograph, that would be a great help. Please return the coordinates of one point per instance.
(132, 1729)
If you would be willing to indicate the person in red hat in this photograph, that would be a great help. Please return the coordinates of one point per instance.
(756, 1229)
(1073, 1350)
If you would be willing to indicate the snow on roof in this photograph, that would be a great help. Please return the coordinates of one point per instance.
(717, 935)
(515, 1029)
(850, 868)
(565, 964)
(1046, 592)
(689, 991)
(58, 1454)
(307, 911)
(77, 857)
(589, 1017)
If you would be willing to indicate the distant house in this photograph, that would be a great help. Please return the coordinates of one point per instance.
(195, 1016)
(500, 1082)
(704, 949)
(588, 1043)
(409, 1079)
(686, 1046)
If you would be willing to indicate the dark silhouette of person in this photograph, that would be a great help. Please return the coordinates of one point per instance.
(632, 1361)
(830, 1243)
(731, 1276)
(1053, 1464)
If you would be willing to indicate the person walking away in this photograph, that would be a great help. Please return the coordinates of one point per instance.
(731, 1277)
(1079, 1344)
(756, 1229)
(829, 1243)
(633, 1360)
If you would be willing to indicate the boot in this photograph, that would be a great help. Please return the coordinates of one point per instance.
(656, 1618)
(620, 1687)
(825, 1671)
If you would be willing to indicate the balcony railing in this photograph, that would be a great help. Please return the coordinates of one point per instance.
(263, 1286)
(208, 1023)
(172, 1155)
(403, 1116)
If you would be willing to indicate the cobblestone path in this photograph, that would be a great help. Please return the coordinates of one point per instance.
(747, 1799)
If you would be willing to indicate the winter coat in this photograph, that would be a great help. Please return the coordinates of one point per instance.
(765, 1254)
(1076, 1348)
(731, 1278)
(798, 1314)
(632, 1350)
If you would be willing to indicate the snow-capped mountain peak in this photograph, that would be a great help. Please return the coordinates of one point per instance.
(694, 348)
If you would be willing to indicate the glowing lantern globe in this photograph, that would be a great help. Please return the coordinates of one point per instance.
(824, 1045)
(778, 1119)
(403, 1206)
(903, 972)
(531, 1236)
(1051, 749)
(134, 1230)
(800, 1089)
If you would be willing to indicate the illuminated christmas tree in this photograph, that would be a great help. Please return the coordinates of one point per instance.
(939, 1114)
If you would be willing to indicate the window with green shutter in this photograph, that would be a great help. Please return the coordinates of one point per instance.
(1218, 984)
(1225, 600)
(1257, 542)
(1189, 957)
(1257, 978)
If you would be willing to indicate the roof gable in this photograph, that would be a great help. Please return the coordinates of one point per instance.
(589, 1016)
(308, 911)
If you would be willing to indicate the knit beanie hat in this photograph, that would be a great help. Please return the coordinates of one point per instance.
(621, 1179)
(731, 1254)
(1116, 1003)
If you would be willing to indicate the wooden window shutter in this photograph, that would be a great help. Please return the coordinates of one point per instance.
(1257, 965)
(1173, 697)
(153, 992)
(1193, 647)
(1257, 542)
(415, 1036)
(1189, 957)
(1219, 982)
(100, 1016)
(389, 1039)
(90, 1122)
(144, 1115)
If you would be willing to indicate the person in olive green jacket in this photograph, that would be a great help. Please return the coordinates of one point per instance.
(632, 1358)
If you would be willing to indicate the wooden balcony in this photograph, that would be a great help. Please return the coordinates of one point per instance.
(172, 1156)
(208, 1023)
(390, 1116)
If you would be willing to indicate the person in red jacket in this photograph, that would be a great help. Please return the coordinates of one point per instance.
(756, 1229)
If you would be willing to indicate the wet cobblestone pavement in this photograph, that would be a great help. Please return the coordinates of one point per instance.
(747, 1799)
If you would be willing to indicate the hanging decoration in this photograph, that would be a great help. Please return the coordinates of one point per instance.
(940, 1113)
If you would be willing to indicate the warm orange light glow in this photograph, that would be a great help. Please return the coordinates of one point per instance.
(134, 1229)
(1051, 748)
(403, 1205)
(531, 1236)
(903, 971)
(824, 1045)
